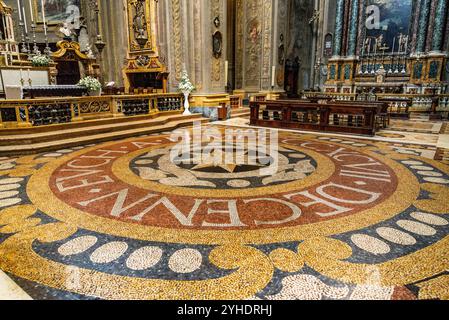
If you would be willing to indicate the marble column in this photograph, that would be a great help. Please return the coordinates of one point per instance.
(423, 25)
(440, 18)
(338, 34)
(353, 27)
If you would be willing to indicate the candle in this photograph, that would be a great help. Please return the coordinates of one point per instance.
(43, 16)
(394, 42)
(226, 72)
(273, 76)
(28, 74)
(406, 44)
(19, 9)
(31, 11)
(25, 20)
(369, 47)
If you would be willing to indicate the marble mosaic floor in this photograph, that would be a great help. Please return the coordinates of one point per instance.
(341, 218)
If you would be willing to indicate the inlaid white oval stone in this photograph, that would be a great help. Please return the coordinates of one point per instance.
(144, 162)
(9, 202)
(370, 244)
(430, 174)
(77, 245)
(416, 227)
(109, 252)
(7, 187)
(422, 168)
(437, 180)
(297, 155)
(185, 261)
(396, 236)
(11, 180)
(429, 219)
(52, 155)
(359, 145)
(144, 258)
(413, 163)
(64, 151)
(239, 183)
(7, 166)
(8, 194)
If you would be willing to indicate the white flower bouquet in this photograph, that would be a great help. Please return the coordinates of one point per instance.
(40, 61)
(91, 84)
(185, 86)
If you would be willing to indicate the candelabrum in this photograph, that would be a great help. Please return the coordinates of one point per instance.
(27, 40)
(47, 49)
(23, 38)
(35, 47)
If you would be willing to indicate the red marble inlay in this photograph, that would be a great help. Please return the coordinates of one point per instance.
(87, 183)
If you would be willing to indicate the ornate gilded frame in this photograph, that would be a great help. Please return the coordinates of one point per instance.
(147, 16)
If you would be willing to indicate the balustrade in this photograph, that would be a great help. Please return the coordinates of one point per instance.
(41, 112)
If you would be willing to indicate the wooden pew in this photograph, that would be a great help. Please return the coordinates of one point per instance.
(354, 117)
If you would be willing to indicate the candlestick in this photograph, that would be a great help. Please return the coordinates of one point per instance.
(35, 47)
(29, 77)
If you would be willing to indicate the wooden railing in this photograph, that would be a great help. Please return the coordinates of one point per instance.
(331, 117)
(40, 112)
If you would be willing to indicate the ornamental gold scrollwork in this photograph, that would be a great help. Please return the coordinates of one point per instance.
(95, 107)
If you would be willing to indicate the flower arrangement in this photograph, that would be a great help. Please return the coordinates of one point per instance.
(91, 84)
(40, 61)
(185, 86)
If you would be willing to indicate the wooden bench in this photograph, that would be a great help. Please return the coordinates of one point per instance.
(356, 118)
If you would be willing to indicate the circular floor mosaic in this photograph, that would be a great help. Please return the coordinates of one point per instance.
(335, 219)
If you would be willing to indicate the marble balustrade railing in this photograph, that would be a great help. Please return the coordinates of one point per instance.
(420, 102)
(40, 112)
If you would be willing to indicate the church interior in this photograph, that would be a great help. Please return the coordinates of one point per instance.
(224, 150)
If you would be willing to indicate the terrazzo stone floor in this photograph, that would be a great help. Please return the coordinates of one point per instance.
(341, 217)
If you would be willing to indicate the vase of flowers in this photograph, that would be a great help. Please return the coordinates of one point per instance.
(92, 85)
(40, 61)
(186, 87)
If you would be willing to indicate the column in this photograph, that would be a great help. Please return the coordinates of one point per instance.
(339, 27)
(423, 23)
(353, 30)
(440, 16)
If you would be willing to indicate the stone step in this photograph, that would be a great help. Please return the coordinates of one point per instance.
(80, 124)
(243, 112)
(70, 142)
(62, 133)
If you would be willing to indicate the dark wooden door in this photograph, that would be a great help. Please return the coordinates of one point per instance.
(68, 72)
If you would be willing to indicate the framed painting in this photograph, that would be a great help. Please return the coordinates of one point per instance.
(57, 11)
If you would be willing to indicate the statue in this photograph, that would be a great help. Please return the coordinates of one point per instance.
(89, 53)
(65, 32)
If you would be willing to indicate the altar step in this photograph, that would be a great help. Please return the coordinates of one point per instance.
(58, 137)
(240, 113)
(419, 116)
